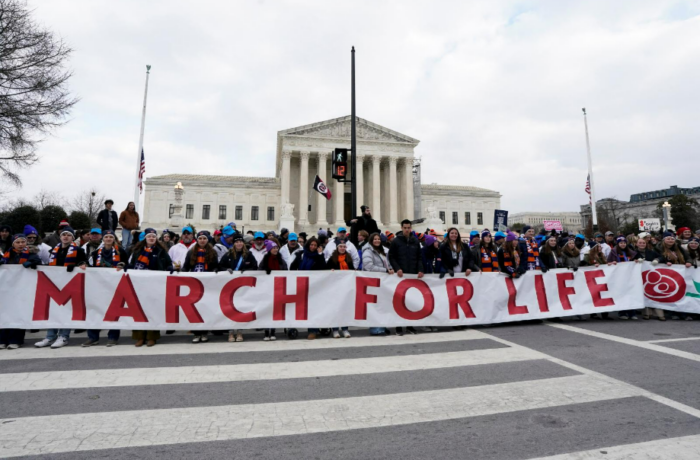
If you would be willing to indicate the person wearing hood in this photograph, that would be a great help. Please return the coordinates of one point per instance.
(70, 255)
(17, 254)
(225, 242)
(289, 250)
(342, 236)
(485, 254)
(178, 253)
(94, 242)
(362, 222)
(258, 249)
(36, 246)
(693, 251)
(5, 238)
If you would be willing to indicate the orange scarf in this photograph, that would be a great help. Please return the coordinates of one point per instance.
(341, 262)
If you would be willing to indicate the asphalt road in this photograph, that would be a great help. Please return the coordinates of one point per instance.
(579, 389)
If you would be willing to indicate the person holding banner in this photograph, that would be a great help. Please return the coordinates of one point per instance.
(374, 259)
(509, 257)
(530, 249)
(432, 263)
(201, 258)
(310, 259)
(570, 256)
(456, 256)
(109, 255)
(17, 254)
(273, 261)
(693, 251)
(548, 254)
(673, 254)
(645, 253)
(238, 258)
(485, 254)
(405, 257)
(622, 253)
(340, 260)
(149, 254)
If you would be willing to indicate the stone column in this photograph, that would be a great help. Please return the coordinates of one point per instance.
(408, 175)
(360, 162)
(376, 190)
(339, 199)
(304, 190)
(393, 202)
(321, 203)
(284, 175)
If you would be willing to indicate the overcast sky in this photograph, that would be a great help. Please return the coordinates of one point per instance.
(493, 90)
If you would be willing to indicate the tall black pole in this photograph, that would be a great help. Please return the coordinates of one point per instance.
(353, 142)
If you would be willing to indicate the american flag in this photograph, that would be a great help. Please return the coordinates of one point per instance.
(142, 170)
(588, 189)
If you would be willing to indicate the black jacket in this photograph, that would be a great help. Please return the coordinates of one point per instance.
(362, 223)
(33, 260)
(405, 254)
(80, 257)
(228, 262)
(159, 260)
(107, 258)
(103, 220)
(449, 263)
(318, 264)
(188, 266)
(330, 265)
(265, 262)
(548, 262)
(649, 255)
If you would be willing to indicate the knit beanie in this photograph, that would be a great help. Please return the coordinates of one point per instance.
(526, 228)
(29, 230)
(68, 229)
(667, 234)
(429, 240)
(511, 237)
(19, 236)
(499, 236)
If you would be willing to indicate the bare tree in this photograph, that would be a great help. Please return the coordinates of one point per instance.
(45, 198)
(34, 95)
(90, 202)
(611, 214)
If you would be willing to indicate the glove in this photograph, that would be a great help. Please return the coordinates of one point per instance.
(544, 269)
(29, 264)
(575, 269)
(268, 271)
(655, 262)
(242, 271)
(521, 270)
(230, 272)
(70, 268)
(451, 272)
(442, 275)
(125, 268)
(172, 269)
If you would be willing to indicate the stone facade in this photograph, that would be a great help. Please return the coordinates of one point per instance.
(385, 162)
(571, 221)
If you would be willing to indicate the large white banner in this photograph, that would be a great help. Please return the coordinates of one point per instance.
(674, 288)
(99, 298)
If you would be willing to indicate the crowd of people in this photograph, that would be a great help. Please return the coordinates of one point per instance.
(364, 247)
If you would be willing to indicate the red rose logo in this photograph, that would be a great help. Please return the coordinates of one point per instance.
(663, 285)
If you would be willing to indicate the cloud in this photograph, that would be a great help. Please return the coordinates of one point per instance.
(493, 90)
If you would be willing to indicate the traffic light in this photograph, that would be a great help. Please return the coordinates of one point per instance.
(339, 164)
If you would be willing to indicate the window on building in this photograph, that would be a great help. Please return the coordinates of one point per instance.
(270, 213)
(205, 211)
(222, 212)
(171, 211)
(455, 218)
(239, 212)
(467, 218)
(254, 213)
(442, 216)
(189, 211)
(479, 218)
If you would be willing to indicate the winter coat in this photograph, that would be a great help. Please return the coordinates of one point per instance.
(362, 223)
(43, 250)
(405, 254)
(212, 266)
(288, 254)
(258, 253)
(80, 257)
(432, 263)
(374, 262)
(330, 265)
(53, 240)
(319, 262)
(570, 261)
(91, 247)
(351, 248)
(613, 257)
(449, 263)
(228, 262)
(103, 219)
(548, 262)
(264, 265)
(129, 220)
(586, 262)
(649, 255)
(159, 260)
(178, 254)
(33, 260)
(107, 258)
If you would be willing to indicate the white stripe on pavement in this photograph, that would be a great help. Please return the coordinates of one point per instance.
(54, 380)
(126, 347)
(682, 448)
(106, 430)
(626, 341)
(682, 339)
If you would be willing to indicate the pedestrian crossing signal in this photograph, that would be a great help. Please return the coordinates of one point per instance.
(339, 164)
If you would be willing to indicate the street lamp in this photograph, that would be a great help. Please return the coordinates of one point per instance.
(667, 213)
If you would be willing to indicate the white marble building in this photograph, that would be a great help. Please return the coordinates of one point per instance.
(571, 221)
(385, 173)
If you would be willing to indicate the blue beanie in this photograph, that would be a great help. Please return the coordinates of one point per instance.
(499, 236)
(29, 230)
(228, 230)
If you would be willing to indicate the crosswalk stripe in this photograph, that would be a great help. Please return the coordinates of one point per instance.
(105, 430)
(261, 371)
(681, 448)
(126, 348)
(682, 339)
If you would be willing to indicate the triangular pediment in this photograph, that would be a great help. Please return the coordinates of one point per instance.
(339, 128)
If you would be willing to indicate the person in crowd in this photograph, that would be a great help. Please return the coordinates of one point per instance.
(341, 260)
(54, 239)
(456, 256)
(622, 253)
(5, 238)
(374, 259)
(499, 238)
(178, 253)
(693, 251)
(167, 239)
(17, 254)
(258, 249)
(684, 234)
(485, 255)
(529, 249)
(107, 218)
(673, 254)
(273, 261)
(310, 259)
(248, 240)
(581, 244)
(342, 236)
(509, 257)
(432, 263)
(549, 254)
(129, 220)
(362, 222)
(70, 255)
(595, 256)
(654, 241)
(225, 242)
(201, 258)
(645, 253)
(108, 255)
(149, 254)
(94, 242)
(405, 256)
(302, 236)
(35, 245)
(238, 258)
(289, 250)
(571, 254)
(283, 237)
(474, 238)
(610, 239)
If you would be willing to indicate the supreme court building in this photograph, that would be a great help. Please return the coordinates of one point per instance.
(387, 181)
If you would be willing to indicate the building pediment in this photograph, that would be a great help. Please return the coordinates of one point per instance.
(339, 128)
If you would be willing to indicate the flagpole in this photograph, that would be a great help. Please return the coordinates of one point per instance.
(137, 191)
(590, 172)
(353, 142)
